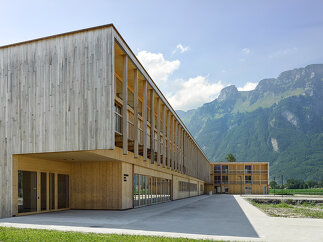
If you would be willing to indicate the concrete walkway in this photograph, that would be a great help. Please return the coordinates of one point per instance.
(218, 217)
(282, 229)
(203, 217)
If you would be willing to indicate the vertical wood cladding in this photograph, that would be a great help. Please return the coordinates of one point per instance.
(55, 95)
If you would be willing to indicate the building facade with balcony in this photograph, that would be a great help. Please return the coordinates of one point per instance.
(240, 177)
(83, 126)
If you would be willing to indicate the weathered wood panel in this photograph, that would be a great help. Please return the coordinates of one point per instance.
(55, 95)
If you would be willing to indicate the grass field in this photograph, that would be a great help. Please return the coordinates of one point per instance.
(15, 235)
(312, 191)
(304, 210)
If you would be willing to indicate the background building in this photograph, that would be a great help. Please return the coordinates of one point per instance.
(83, 126)
(240, 177)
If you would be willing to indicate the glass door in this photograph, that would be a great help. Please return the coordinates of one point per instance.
(43, 191)
(27, 191)
(51, 191)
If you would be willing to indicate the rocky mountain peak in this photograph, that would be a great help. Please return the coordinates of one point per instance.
(228, 93)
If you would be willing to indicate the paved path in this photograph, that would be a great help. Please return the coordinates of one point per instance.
(282, 229)
(203, 217)
(218, 217)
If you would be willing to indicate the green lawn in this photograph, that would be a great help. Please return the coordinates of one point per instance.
(304, 210)
(312, 191)
(13, 234)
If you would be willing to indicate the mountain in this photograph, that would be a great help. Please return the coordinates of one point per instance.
(281, 121)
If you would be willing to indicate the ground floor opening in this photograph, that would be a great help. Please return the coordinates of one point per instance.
(55, 182)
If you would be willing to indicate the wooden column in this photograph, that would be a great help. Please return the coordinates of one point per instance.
(164, 135)
(180, 148)
(173, 143)
(152, 126)
(176, 144)
(168, 139)
(144, 123)
(125, 105)
(136, 113)
(158, 131)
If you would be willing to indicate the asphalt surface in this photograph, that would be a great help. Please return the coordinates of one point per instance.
(208, 215)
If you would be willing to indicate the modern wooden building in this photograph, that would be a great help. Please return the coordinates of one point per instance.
(240, 177)
(83, 126)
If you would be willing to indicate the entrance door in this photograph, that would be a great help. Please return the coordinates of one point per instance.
(247, 190)
(43, 191)
(27, 191)
(52, 191)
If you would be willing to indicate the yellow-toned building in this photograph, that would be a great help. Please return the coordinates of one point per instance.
(239, 177)
(83, 126)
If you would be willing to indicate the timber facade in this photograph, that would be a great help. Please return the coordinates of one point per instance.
(83, 126)
(239, 177)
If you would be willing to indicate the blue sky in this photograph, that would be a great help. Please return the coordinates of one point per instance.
(192, 49)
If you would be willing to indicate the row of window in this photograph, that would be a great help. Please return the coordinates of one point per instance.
(225, 168)
(187, 186)
(225, 179)
(151, 190)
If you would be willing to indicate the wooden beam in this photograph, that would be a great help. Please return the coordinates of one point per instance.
(125, 105)
(144, 127)
(152, 127)
(136, 151)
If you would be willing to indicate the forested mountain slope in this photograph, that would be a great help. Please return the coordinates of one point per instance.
(281, 121)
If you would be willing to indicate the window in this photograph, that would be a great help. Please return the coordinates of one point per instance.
(27, 191)
(248, 179)
(63, 191)
(118, 88)
(118, 118)
(150, 190)
(225, 169)
(217, 169)
(217, 179)
(224, 179)
(187, 186)
(131, 99)
(140, 107)
(248, 169)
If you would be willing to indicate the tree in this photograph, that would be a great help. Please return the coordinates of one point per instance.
(273, 184)
(230, 158)
(294, 184)
(311, 183)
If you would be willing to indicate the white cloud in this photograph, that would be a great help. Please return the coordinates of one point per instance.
(248, 86)
(245, 51)
(156, 65)
(194, 92)
(181, 49)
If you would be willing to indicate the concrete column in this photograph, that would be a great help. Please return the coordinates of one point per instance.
(136, 113)
(152, 126)
(125, 105)
(144, 116)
